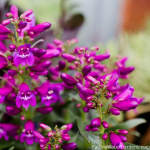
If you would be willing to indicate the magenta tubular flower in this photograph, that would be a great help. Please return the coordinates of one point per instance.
(105, 136)
(115, 111)
(14, 11)
(138, 100)
(45, 127)
(11, 110)
(113, 79)
(3, 62)
(96, 122)
(50, 53)
(125, 105)
(116, 141)
(49, 93)
(3, 37)
(100, 66)
(36, 30)
(121, 62)
(4, 30)
(12, 47)
(69, 146)
(123, 138)
(22, 24)
(124, 132)
(66, 128)
(4, 91)
(25, 97)
(45, 109)
(27, 13)
(85, 91)
(8, 129)
(124, 95)
(65, 137)
(102, 56)
(6, 22)
(86, 70)
(24, 56)
(91, 79)
(57, 42)
(69, 80)
(41, 66)
(28, 135)
(68, 57)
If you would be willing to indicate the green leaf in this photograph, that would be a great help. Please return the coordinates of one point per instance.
(87, 135)
(128, 124)
(11, 148)
(74, 138)
(133, 146)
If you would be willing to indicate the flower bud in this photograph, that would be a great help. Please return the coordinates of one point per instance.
(3, 48)
(91, 104)
(41, 66)
(91, 79)
(94, 129)
(123, 138)
(14, 11)
(46, 127)
(124, 132)
(36, 30)
(68, 57)
(45, 109)
(115, 111)
(86, 70)
(12, 47)
(6, 22)
(12, 72)
(27, 13)
(50, 53)
(61, 65)
(3, 62)
(88, 128)
(11, 110)
(57, 41)
(4, 30)
(69, 80)
(105, 136)
(19, 30)
(9, 14)
(57, 146)
(65, 137)
(105, 124)
(102, 56)
(96, 122)
(69, 146)
(85, 109)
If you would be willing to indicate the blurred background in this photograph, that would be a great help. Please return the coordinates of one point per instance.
(123, 27)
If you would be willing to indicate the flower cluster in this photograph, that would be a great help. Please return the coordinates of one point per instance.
(26, 86)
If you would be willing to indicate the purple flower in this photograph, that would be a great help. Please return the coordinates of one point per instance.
(28, 135)
(6, 22)
(68, 57)
(24, 56)
(124, 95)
(4, 30)
(25, 97)
(4, 91)
(49, 92)
(124, 132)
(3, 62)
(45, 109)
(40, 67)
(69, 146)
(27, 13)
(22, 24)
(14, 11)
(11, 110)
(116, 141)
(125, 105)
(36, 30)
(102, 56)
(121, 62)
(51, 53)
(85, 92)
(3, 37)
(87, 69)
(115, 111)
(123, 138)
(8, 129)
(69, 80)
